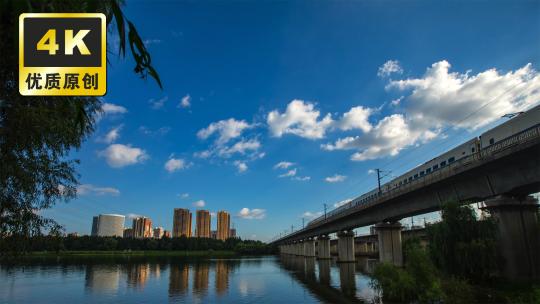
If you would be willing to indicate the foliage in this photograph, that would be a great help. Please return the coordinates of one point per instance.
(37, 133)
(417, 281)
(462, 246)
(457, 291)
(94, 243)
(395, 283)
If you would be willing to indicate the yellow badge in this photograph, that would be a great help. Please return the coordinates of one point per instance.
(62, 54)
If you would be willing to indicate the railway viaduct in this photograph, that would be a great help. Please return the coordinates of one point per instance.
(502, 176)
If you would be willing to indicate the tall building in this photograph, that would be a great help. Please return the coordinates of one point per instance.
(95, 224)
(142, 228)
(232, 233)
(181, 222)
(167, 234)
(108, 225)
(203, 224)
(128, 232)
(223, 225)
(213, 234)
(158, 232)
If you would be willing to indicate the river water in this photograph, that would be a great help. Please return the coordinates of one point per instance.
(268, 279)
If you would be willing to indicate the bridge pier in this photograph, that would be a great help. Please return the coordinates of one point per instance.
(309, 248)
(390, 250)
(519, 236)
(346, 246)
(298, 248)
(323, 247)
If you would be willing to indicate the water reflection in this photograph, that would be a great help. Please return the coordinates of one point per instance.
(200, 282)
(324, 271)
(178, 279)
(222, 277)
(101, 278)
(243, 280)
(137, 275)
(347, 278)
(352, 287)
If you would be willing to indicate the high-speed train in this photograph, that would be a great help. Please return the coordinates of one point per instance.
(476, 147)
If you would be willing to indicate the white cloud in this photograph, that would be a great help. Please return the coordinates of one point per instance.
(356, 118)
(311, 215)
(111, 136)
(256, 214)
(283, 165)
(443, 98)
(160, 131)
(148, 42)
(159, 103)
(118, 155)
(388, 137)
(301, 119)
(133, 216)
(241, 166)
(185, 102)
(109, 108)
(302, 178)
(289, 173)
(389, 67)
(175, 164)
(203, 154)
(343, 202)
(240, 147)
(226, 130)
(396, 101)
(199, 204)
(87, 189)
(335, 179)
(183, 195)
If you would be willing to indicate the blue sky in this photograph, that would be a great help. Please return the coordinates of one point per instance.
(334, 88)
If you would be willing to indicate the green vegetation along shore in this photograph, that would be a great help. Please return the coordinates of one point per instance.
(50, 245)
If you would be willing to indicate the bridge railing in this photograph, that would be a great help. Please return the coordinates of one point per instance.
(449, 170)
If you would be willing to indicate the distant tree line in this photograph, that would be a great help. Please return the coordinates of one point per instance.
(52, 243)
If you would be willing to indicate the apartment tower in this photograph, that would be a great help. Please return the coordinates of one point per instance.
(223, 225)
(142, 228)
(203, 224)
(181, 223)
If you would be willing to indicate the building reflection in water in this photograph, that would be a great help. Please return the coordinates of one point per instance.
(178, 279)
(137, 275)
(200, 280)
(222, 276)
(102, 278)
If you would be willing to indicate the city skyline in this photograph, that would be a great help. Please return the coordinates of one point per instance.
(296, 119)
(142, 226)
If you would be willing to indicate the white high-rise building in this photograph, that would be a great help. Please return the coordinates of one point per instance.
(110, 225)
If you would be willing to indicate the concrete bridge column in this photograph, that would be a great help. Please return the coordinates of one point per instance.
(390, 250)
(519, 236)
(323, 245)
(345, 246)
(309, 248)
(299, 249)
